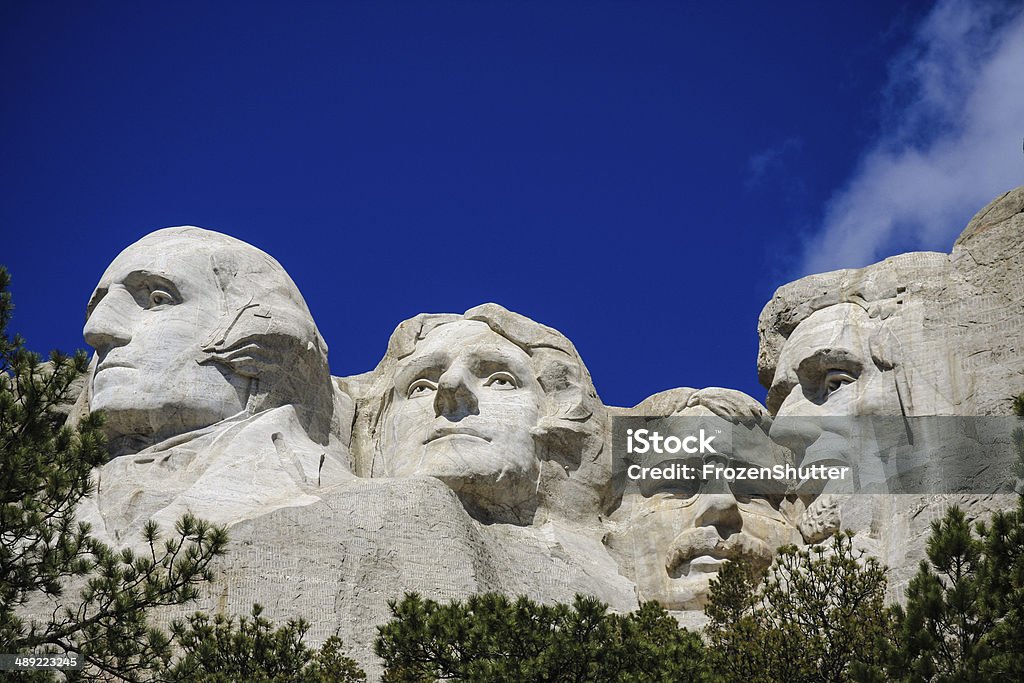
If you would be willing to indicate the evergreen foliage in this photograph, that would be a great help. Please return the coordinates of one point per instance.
(44, 471)
(491, 639)
(941, 632)
(964, 619)
(816, 617)
(221, 651)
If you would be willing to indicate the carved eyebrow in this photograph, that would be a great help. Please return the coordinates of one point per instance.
(807, 367)
(144, 279)
(495, 360)
(136, 282)
(140, 283)
(428, 366)
(827, 359)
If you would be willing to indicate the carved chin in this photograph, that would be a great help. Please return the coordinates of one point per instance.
(128, 415)
(508, 495)
(505, 487)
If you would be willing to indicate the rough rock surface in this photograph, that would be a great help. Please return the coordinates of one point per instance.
(499, 406)
(928, 334)
(338, 561)
(956, 318)
(215, 385)
(477, 455)
(673, 544)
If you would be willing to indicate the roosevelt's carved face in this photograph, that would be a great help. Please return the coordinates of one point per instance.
(152, 311)
(685, 533)
(684, 541)
(464, 405)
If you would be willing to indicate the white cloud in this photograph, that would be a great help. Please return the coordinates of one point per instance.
(770, 161)
(949, 144)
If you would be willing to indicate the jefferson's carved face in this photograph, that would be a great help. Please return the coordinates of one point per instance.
(463, 409)
(151, 312)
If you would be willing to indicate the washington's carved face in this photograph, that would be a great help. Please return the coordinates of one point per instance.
(151, 312)
(686, 540)
(464, 406)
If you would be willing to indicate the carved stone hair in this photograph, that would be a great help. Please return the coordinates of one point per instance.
(266, 333)
(571, 431)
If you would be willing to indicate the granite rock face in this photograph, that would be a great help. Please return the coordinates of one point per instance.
(215, 385)
(947, 327)
(915, 335)
(499, 407)
(476, 460)
(338, 561)
(674, 541)
(477, 455)
(988, 263)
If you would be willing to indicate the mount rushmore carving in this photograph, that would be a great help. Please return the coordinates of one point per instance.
(478, 455)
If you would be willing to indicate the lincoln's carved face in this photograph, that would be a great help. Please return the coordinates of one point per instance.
(826, 367)
(152, 311)
(826, 373)
(464, 405)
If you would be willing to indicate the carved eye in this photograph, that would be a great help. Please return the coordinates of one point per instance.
(421, 387)
(502, 381)
(159, 297)
(836, 379)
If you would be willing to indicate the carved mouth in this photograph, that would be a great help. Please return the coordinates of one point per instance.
(694, 560)
(701, 564)
(699, 553)
(443, 432)
(107, 364)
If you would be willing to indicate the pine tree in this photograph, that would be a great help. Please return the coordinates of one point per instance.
(964, 619)
(816, 616)
(44, 471)
(491, 639)
(941, 632)
(1001, 580)
(252, 650)
(1001, 586)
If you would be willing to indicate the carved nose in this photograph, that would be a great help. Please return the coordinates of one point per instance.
(719, 510)
(795, 433)
(455, 399)
(108, 325)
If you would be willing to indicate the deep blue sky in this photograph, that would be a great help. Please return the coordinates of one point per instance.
(640, 176)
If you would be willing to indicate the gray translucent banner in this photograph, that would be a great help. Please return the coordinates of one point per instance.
(686, 455)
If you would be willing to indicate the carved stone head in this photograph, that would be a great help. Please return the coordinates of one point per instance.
(871, 341)
(678, 538)
(499, 407)
(191, 327)
(835, 363)
(856, 343)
